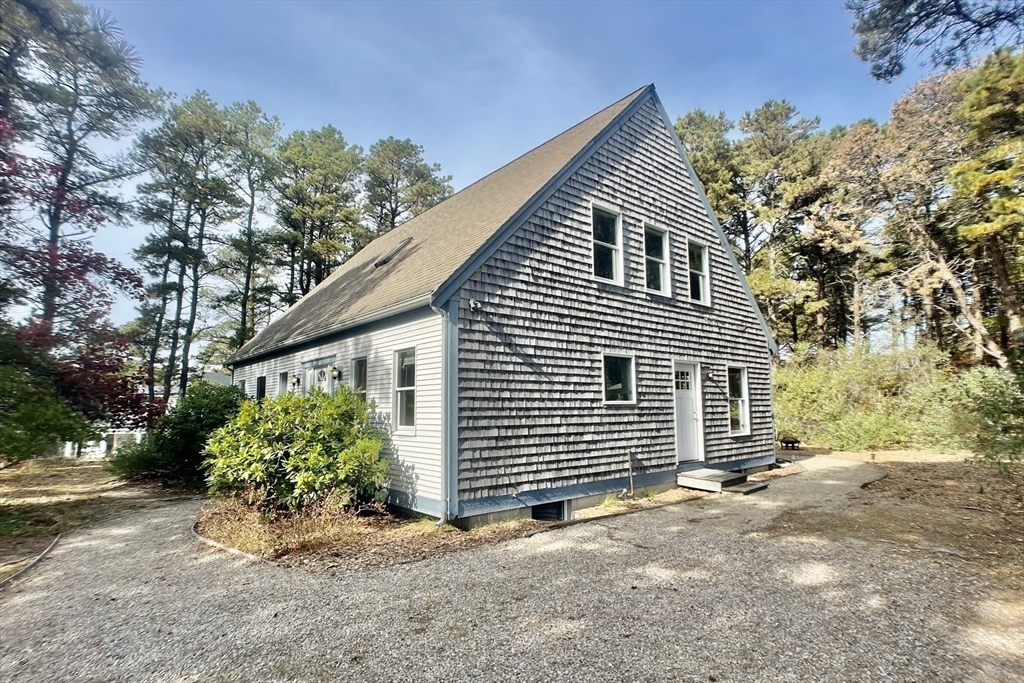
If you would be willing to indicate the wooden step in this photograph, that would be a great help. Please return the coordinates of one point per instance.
(709, 479)
(746, 488)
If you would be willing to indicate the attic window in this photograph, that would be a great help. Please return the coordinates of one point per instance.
(386, 258)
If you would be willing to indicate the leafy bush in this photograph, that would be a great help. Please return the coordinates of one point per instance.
(34, 420)
(991, 414)
(173, 452)
(294, 451)
(852, 399)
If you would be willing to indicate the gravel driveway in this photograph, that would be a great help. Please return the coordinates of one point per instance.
(690, 592)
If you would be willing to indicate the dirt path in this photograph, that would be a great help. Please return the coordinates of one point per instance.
(42, 498)
(713, 589)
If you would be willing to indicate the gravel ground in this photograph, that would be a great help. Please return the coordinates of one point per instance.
(690, 592)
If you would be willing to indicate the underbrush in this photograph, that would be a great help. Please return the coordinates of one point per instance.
(852, 399)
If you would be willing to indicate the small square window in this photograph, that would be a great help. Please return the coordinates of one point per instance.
(618, 379)
(697, 256)
(739, 406)
(607, 246)
(656, 260)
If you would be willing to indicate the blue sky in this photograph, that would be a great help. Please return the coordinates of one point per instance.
(478, 84)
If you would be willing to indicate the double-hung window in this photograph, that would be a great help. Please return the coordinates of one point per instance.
(739, 404)
(241, 385)
(282, 383)
(619, 379)
(607, 246)
(261, 387)
(405, 388)
(359, 378)
(656, 256)
(700, 288)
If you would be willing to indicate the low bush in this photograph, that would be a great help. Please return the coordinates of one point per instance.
(991, 414)
(853, 399)
(296, 451)
(173, 452)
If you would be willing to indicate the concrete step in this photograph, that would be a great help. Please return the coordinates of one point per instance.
(746, 488)
(709, 479)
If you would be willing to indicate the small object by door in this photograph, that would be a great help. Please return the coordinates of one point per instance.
(688, 423)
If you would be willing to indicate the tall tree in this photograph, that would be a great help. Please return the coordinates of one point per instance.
(316, 206)
(83, 89)
(949, 31)
(252, 169)
(187, 200)
(400, 184)
(991, 180)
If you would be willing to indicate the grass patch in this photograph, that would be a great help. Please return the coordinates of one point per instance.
(334, 540)
(42, 498)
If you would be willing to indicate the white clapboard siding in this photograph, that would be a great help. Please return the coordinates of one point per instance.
(415, 452)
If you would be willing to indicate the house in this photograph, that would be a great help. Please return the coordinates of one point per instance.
(570, 324)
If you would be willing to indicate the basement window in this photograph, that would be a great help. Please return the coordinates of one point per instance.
(607, 246)
(619, 379)
(739, 404)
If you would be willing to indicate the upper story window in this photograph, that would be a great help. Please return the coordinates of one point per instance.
(607, 245)
(656, 255)
(405, 388)
(359, 377)
(739, 404)
(700, 286)
(619, 379)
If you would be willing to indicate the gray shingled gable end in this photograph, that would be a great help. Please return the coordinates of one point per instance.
(459, 278)
(444, 239)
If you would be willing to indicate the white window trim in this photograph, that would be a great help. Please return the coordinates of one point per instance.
(282, 390)
(666, 279)
(745, 411)
(706, 301)
(632, 368)
(403, 429)
(620, 264)
(352, 376)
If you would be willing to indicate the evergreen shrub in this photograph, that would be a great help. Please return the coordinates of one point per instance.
(292, 452)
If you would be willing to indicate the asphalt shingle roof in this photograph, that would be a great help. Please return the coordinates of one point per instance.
(443, 239)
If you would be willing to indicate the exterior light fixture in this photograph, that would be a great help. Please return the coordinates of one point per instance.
(295, 380)
(335, 373)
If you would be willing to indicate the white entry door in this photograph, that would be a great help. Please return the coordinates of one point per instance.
(688, 423)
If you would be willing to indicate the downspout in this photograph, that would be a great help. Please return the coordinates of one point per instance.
(449, 346)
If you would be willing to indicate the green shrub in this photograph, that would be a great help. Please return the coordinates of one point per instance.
(294, 451)
(990, 414)
(852, 399)
(34, 420)
(173, 452)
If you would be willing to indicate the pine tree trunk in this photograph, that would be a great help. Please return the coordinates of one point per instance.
(175, 332)
(190, 326)
(1007, 292)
